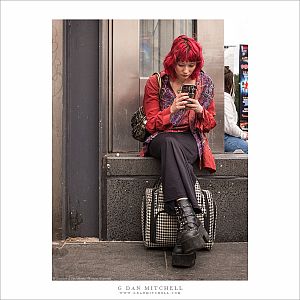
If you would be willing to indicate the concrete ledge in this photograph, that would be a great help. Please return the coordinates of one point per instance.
(133, 165)
(127, 177)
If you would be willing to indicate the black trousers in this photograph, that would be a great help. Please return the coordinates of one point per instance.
(177, 152)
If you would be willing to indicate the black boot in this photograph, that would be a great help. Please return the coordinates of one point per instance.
(180, 259)
(191, 234)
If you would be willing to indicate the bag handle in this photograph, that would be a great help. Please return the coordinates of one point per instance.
(157, 183)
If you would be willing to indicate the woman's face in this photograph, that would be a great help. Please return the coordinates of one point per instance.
(184, 69)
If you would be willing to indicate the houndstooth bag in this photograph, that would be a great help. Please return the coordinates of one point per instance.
(159, 229)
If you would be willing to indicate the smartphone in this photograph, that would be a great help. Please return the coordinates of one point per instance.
(190, 89)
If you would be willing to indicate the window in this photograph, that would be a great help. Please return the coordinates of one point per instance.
(156, 37)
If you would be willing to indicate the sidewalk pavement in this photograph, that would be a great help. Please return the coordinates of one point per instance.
(91, 259)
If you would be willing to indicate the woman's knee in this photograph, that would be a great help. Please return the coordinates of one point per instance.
(233, 143)
(164, 139)
(161, 143)
(168, 140)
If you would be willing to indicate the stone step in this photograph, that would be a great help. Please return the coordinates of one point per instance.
(127, 177)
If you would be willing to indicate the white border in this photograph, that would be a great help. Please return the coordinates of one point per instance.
(272, 31)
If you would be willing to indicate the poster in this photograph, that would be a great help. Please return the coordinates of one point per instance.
(243, 71)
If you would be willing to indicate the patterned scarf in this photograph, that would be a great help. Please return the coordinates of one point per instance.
(167, 97)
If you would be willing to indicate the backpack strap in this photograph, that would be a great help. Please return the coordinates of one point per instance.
(159, 81)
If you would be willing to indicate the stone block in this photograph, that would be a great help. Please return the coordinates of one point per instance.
(124, 197)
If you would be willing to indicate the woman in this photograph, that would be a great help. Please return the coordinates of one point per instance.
(178, 140)
(234, 137)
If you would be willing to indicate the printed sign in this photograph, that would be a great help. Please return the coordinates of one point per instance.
(243, 68)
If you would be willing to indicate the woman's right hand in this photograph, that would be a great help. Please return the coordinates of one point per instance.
(179, 102)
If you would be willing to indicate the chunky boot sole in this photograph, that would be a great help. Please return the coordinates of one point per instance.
(184, 260)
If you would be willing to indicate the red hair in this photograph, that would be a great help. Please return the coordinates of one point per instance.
(184, 49)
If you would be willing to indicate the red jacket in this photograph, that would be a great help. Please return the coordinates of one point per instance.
(158, 120)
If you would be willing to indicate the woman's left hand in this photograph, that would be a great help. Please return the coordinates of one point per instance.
(195, 106)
